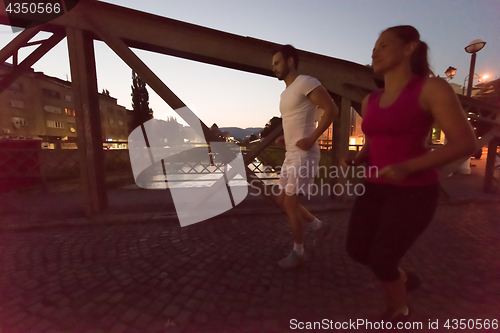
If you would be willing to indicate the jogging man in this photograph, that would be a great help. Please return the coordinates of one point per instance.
(299, 104)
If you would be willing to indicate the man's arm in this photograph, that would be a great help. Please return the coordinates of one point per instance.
(280, 141)
(321, 98)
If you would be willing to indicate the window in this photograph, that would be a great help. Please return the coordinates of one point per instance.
(69, 112)
(18, 121)
(16, 86)
(111, 121)
(68, 98)
(55, 124)
(120, 122)
(51, 93)
(52, 109)
(16, 104)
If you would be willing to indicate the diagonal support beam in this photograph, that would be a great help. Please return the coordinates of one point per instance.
(268, 140)
(26, 64)
(134, 62)
(18, 42)
(251, 176)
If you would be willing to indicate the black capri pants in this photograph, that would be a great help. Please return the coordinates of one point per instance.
(385, 222)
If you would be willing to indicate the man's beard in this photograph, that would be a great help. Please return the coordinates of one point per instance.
(283, 74)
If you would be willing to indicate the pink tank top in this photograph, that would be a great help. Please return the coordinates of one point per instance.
(398, 133)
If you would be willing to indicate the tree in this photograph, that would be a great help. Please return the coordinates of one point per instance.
(218, 133)
(270, 126)
(174, 132)
(249, 138)
(140, 101)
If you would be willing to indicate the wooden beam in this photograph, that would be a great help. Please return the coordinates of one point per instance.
(163, 35)
(88, 120)
(475, 103)
(19, 41)
(340, 144)
(489, 172)
(30, 60)
(134, 62)
(268, 140)
(122, 50)
(489, 120)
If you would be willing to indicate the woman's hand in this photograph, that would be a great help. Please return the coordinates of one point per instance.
(395, 172)
(350, 159)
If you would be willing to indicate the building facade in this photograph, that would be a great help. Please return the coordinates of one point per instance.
(41, 107)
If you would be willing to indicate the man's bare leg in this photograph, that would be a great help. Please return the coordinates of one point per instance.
(304, 213)
(293, 211)
(320, 229)
(296, 257)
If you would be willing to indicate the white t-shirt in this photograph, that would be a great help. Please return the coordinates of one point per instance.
(298, 112)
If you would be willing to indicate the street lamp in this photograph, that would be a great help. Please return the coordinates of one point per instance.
(450, 72)
(476, 76)
(475, 46)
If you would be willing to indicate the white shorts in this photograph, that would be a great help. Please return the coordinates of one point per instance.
(298, 171)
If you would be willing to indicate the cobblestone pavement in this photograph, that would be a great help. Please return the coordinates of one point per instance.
(221, 275)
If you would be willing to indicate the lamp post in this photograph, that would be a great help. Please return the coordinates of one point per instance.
(475, 76)
(475, 46)
(450, 72)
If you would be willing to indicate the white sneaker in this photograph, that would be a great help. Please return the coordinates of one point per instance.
(293, 260)
(319, 235)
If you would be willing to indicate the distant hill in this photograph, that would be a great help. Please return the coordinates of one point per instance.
(240, 133)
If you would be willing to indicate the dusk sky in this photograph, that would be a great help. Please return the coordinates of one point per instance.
(341, 29)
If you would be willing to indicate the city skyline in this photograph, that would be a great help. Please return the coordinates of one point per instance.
(232, 98)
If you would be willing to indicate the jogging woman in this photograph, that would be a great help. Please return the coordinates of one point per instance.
(400, 201)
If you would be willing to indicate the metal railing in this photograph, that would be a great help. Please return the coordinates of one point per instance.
(29, 162)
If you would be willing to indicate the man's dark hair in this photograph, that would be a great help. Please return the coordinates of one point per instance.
(288, 51)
